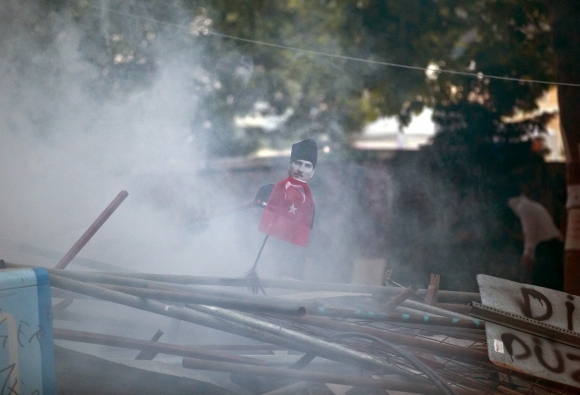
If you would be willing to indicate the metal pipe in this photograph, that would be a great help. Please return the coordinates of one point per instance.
(150, 355)
(63, 304)
(448, 296)
(176, 280)
(474, 335)
(300, 342)
(443, 296)
(228, 303)
(406, 310)
(270, 304)
(253, 268)
(187, 294)
(318, 346)
(468, 355)
(419, 319)
(434, 310)
(111, 279)
(400, 298)
(296, 310)
(382, 384)
(458, 308)
(95, 226)
(60, 293)
(242, 347)
(100, 278)
(168, 311)
(150, 346)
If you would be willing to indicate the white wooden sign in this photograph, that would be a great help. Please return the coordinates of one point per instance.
(524, 351)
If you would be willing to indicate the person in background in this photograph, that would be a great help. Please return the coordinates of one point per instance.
(542, 261)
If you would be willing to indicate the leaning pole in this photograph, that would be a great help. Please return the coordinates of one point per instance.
(566, 43)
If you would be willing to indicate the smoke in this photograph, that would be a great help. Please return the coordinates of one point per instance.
(71, 143)
(67, 150)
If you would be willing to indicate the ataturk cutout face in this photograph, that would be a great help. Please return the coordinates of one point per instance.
(300, 169)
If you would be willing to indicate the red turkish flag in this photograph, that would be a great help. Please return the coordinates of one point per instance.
(289, 212)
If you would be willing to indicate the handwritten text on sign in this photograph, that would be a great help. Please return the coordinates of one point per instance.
(541, 304)
(526, 352)
(534, 355)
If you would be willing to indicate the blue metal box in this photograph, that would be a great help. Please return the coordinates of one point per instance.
(26, 337)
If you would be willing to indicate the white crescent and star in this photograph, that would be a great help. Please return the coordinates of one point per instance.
(299, 188)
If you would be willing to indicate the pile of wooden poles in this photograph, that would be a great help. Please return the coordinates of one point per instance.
(400, 342)
(399, 339)
(393, 359)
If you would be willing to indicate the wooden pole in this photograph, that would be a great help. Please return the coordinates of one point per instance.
(242, 304)
(448, 296)
(566, 43)
(405, 294)
(149, 355)
(69, 256)
(151, 346)
(464, 354)
(237, 324)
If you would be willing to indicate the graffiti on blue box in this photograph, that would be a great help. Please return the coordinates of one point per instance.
(15, 335)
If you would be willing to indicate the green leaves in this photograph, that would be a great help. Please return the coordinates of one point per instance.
(309, 57)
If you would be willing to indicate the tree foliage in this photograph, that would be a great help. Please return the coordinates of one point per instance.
(322, 68)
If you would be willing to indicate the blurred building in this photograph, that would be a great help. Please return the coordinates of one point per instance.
(386, 134)
(547, 104)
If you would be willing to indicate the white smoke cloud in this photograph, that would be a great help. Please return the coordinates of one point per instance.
(65, 155)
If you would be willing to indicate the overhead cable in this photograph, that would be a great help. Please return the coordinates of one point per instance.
(477, 75)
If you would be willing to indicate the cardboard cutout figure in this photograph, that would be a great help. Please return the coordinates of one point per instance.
(289, 212)
(288, 207)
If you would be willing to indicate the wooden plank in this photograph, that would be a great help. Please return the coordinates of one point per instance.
(432, 290)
